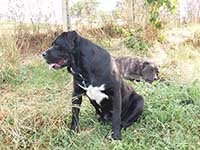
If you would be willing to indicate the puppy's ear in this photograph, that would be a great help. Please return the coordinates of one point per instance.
(145, 63)
(71, 38)
(157, 70)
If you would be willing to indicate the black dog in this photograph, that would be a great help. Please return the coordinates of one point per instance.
(95, 74)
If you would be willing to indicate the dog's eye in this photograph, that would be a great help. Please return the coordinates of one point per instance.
(53, 44)
(157, 71)
(57, 47)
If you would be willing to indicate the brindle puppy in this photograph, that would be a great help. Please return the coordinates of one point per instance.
(137, 69)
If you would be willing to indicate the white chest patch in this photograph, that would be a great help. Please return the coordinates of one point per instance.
(71, 69)
(94, 93)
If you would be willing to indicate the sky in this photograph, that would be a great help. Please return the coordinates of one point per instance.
(3, 6)
(106, 5)
(34, 7)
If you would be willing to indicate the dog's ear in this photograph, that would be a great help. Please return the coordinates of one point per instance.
(70, 39)
(157, 70)
(145, 63)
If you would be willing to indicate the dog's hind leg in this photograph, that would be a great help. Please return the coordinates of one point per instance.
(135, 109)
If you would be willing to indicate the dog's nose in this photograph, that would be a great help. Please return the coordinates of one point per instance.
(155, 78)
(44, 54)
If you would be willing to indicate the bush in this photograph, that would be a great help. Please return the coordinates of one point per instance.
(137, 43)
(194, 41)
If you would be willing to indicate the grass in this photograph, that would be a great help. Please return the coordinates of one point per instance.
(36, 113)
(35, 108)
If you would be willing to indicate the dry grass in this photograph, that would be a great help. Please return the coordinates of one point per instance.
(179, 61)
(34, 43)
(35, 110)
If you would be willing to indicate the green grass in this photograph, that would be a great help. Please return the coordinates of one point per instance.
(35, 106)
(35, 113)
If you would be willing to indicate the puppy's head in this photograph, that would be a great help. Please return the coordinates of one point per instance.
(58, 55)
(149, 71)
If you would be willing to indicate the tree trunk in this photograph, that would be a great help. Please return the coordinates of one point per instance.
(66, 16)
(132, 12)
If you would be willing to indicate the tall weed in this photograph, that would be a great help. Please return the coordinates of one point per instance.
(9, 58)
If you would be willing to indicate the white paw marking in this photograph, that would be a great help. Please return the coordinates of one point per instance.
(94, 93)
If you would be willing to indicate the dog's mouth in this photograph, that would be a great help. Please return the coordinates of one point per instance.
(58, 65)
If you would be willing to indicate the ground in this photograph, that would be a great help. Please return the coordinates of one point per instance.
(35, 110)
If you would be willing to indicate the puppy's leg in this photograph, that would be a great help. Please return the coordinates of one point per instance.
(116, 117)
(132, 77)
(135, 109)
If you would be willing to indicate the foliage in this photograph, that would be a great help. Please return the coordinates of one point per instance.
(85, 11)
(156, 5)
(9, 58)
(194, 41)
(136, 42)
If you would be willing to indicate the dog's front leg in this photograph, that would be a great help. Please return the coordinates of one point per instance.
(76, 103)
(116, 117)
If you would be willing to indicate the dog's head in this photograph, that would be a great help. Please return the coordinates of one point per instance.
(149, 71)
(58, 55)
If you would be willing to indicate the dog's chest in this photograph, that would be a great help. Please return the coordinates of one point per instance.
(95, 93)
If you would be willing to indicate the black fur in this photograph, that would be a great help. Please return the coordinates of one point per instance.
(91, 65)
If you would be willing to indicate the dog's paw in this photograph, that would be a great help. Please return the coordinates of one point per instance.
(69, 131)
(114, 137)
(72, 132)
(74, 129)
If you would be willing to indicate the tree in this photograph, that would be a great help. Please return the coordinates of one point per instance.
(141, 12)
(85, 11)
(66, 16)
(133, 12)
(155, 6)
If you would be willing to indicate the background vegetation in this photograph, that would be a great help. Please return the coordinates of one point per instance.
(35, 105)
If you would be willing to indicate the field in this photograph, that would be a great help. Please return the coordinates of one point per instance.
(35, 105)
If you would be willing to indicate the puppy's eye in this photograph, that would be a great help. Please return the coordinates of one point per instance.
(157, 71)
